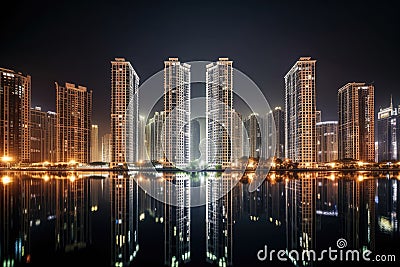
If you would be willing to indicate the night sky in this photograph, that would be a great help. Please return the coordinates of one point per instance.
(75, 42)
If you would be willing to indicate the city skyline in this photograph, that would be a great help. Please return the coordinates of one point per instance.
(369, 53)
(355, 133)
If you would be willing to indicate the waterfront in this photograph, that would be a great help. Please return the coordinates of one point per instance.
(120, 218)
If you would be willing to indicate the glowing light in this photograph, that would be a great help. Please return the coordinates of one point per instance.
(360, 178)
(6, 179)
(332, 177)
(72, 178)
(360, 164)
(46, 177)
(6, 158)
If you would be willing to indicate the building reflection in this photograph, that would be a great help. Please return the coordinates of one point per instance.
(387, 207)
(176, 218)
(14, 246)
(220, 217)
(46, 214)
(300, 214)
(124, 218)
(73, 226)
(275, 198)
(357, 210)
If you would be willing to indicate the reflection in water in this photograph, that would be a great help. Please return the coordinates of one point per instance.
(176, 219)
(219, 220)
(357, 211)
(45, 216)
(72, 213)
(300, 214)
(124, 218)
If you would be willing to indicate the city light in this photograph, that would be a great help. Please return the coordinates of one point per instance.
(46, 177)
(6, 158)
(6, 179)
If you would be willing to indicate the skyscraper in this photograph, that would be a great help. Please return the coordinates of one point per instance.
(106, 148)
(154, 132)
(43, 135)
(254, 134)
(15, 102)
(94, 143)
(194, 140)
(388, 131)
(74, 117)
(275, 121)
(141, 139)
(219, 106)
(300, 112)
(238, 137)
(327, 141)
(356, 121)
(124, 112)
(177, 113)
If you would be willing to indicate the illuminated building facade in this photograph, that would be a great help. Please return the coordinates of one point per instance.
(219, 106)
(300, 112)
(74, 117)
(388, 131)
(154, 133)
(176, 142)
(43, 135)
(254, 134)
(327, 141)
(106, 148)
(124, 112)
(94, 143)
(15, 104)
(356, 133)
(275, 123)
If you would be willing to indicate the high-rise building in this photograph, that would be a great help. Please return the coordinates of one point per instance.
(356, 134)
(74, 117)
(219, 106)
(327, 141)
(275, 122)
(94, 143)
(388, 131)
(106, 148)
(124, 112)
(194, 140)
(43, 135)
(254, 134)
(15, 102)
(154, 132)
(51, 137)
(318, 116)
(300, 112)
(141, 139)
(239, 137)
(177, 113)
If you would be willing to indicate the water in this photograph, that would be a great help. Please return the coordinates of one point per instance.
(121, 219)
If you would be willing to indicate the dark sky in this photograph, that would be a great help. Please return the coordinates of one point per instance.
(74, 42)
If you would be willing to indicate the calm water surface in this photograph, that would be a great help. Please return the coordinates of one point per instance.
(121, 219)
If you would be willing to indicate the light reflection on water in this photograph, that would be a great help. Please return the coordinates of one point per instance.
(108, 219)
